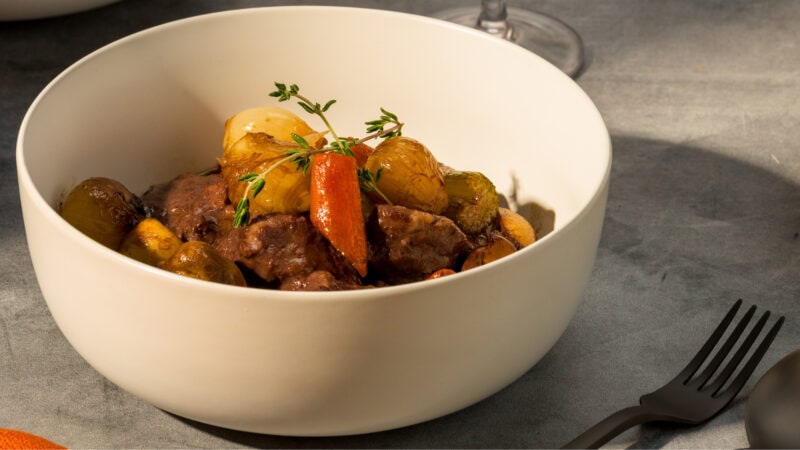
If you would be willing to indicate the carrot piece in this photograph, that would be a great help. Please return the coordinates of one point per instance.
(361, 152)
(335, 206)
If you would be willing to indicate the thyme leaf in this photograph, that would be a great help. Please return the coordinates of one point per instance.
(378, 126)
(369, 182)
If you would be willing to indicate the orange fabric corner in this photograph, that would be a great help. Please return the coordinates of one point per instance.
(20, 440)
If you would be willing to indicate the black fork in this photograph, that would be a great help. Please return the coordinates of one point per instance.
(688, 398)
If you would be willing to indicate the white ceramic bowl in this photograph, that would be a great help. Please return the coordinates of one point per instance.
(152, 105)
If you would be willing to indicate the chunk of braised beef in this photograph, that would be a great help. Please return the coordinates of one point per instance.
(408, 245)
(282, 247)
(190, 205)
(319, 280)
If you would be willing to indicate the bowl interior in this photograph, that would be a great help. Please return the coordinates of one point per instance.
(153, 105)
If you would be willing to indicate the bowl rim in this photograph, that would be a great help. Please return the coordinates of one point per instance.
(25, 180)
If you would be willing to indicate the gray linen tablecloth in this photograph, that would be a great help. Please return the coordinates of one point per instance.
(702, 101)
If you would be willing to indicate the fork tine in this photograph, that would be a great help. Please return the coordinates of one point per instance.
(725, 349)
(751, 364)
(698, 359)
(739, 356)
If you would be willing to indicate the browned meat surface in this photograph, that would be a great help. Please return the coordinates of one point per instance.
(189, 205)
(278, 248)
(319, 280)
(283, 247)
(408, 245)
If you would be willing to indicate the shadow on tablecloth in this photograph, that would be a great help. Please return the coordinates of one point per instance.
(687, 232)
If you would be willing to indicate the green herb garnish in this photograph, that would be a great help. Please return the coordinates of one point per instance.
(386, 126)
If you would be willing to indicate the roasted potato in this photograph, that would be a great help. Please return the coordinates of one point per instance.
(197, 259)
(497, 248)
(102, 209)
(410, 174)
(516, 228)
(286, 189)
(150, 242)
(277, 122)
(472, 200)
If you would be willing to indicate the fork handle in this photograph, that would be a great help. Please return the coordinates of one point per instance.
(612, 426)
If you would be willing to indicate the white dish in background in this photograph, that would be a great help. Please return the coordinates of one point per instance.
(153, 105)
(37, 9)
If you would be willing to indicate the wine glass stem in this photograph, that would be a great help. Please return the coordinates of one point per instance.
(493, 18)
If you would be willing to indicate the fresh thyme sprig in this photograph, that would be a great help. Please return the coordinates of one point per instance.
(285, 93)
(386, 126)
(369, 182)
(255, 183)
(378, 126)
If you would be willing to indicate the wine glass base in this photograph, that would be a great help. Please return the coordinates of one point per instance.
(544, 35)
